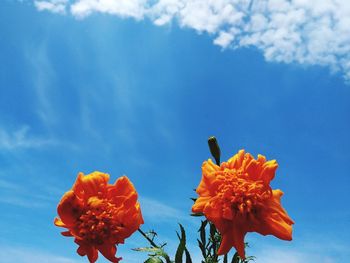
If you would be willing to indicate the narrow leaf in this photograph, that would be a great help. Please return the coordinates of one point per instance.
(188, 256)
(235, 258)
(182, 245)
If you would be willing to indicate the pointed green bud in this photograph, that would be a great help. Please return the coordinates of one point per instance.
(214, 149)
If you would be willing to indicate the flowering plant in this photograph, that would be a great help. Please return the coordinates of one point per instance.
(234, 197)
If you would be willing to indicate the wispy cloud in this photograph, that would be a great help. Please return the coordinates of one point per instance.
(17, 195)
(44, 80)
(25, 255)
(21, 139)
(307, 32)
(272, 255)
(156, 211)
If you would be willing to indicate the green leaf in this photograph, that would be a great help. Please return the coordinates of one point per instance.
(188, 256)
(225, 259)
(148, 249)
(214, 242)
(197, 214)
(202, 232)
(212, 231)
(202, 248)
(235, 258)
(182, 245)
(154, 260)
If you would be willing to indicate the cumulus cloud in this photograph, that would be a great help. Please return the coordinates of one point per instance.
(308, 32)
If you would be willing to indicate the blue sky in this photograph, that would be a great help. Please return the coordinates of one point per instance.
(125, 91)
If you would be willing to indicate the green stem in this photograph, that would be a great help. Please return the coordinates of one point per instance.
(167, 259)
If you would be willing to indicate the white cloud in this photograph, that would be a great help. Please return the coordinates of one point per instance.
(55, 6)
(123, 8)
(308, 32)
(20, 139)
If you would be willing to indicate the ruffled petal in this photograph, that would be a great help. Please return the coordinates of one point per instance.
(234, 237)
(93, 184)
(207, 186)
(122, 187)
(226, 243)
(235, 162)
(275, 220)
(213, 209)
(69, 208)
(268, 172)
(92, 254)
(199, 205)
(88, 250)
(109, 251)
(58, 222)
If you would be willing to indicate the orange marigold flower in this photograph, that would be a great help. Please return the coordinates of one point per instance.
(237, 198)
(99, 215)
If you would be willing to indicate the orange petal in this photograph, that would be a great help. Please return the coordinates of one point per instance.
(276, 226)
(108, 251)
(208, 184)
(58, 222)
(122, 187)
(246, 160)
(213, 209)
(275, 220)
(234, 237)
(131, 200)
(85, 249)
(199, 205)
(226, 243)
(92, 254)
(89, 185)
(69, 208)
(252, 168)
(236, 160)
(275, 206)
(209, 167)
(67, 234)
(268, 172)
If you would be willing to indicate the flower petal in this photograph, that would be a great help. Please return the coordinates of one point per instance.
(69, 208)
(122, 187)
(66, 234)
(89, 185)
(199, 205)
(109, 251)
(234, 237)
(213, 209)
(236, 161)
(275, 220)
(58, 222)
(85, 249)
(268, 172)
(208, 185)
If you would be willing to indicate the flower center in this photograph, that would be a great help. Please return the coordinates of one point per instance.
(239, 195)
(97, 223)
